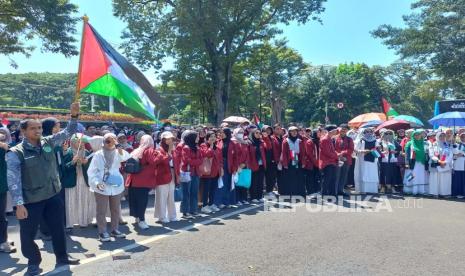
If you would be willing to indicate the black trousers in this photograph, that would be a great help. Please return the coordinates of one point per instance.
(43, 227)
(341, 180)
(138, 199)
(256, 187)
(270, 177)
(328, 184)
(51, 210)
(3, 220)
(311, 181)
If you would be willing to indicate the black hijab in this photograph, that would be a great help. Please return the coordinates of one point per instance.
(47, 126)
(189, 140)
(256, 142)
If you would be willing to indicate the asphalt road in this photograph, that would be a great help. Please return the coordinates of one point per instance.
(417, 237)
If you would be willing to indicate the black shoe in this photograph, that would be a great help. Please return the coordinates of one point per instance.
(68, 260)
(33, 270)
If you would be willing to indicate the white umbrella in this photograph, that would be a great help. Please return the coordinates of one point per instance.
(236, 120)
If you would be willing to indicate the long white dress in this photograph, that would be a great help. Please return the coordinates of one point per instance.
(416, 180)
(80, 202)
(440, 179)
(366, 173)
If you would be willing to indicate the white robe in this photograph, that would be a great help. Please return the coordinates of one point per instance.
(366, 175)
(440, 179)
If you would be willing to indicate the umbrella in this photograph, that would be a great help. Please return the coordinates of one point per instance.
(365, 118)
(393, 125)
(454, 118)
(236, 120)
(414, 122)
(371, 123)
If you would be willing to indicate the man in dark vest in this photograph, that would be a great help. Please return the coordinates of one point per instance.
(35, 186)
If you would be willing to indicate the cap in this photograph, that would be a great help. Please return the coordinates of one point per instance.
(330, 128)
(292, 128)
(166, 135)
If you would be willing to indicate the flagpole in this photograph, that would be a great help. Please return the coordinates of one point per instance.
(77, 95)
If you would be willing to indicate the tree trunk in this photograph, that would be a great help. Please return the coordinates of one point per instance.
(218, 91)
(226, 91)
(277, 106)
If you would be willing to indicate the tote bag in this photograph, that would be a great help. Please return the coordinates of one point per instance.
(245, 178)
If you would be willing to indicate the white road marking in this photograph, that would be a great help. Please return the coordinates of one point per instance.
(150, 240)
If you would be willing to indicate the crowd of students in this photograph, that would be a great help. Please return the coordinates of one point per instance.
(209, 169)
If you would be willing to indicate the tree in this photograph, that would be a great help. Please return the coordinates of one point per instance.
(48, 20)
(358, 86)
(278, 68)
(221, 30)
(432, 39)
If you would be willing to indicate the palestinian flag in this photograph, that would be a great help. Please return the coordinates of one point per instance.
(103, 71)
(257, 121)
(388, 110)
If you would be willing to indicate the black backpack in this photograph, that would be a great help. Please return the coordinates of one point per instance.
(132, 166)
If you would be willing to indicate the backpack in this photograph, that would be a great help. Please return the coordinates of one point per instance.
(132, 166)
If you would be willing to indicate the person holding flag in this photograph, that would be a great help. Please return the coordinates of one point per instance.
(32, 166)
(415, 180)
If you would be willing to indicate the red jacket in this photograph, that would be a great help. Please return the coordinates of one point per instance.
(286, 154)
(277, 150)
(253, 162)
(271, 143)
(345, 147)
(217, 159)
(241, 152)
(178, 153)
(190, 160)
(311, 158)
(146, 177)
(232, 163)
(328, 155)
(163, 168)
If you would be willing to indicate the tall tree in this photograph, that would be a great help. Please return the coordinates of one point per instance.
(222, 30)
(433, 38)
(277, 67)
(51, 21)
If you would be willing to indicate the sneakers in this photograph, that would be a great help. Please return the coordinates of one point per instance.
(239, 203)
(174, 219)
(245, 202)
(7, 247)
(214, 208)
(221, 206)
(231, 206)
(118, 234)
(165, 220)
(143, 225)
(255, 201)
(206, 210)
(261, 200)
(104, 237)
(187, 216)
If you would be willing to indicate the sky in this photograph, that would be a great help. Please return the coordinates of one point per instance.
(343, 36)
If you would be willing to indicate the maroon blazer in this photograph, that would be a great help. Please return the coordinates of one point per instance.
(311, 159)
(217, 161)
(146, 177)
(286, 154)
(190, 160)
(328, 155)
(163, 169)
(231, 157)
(345, 146)
(253, 162)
